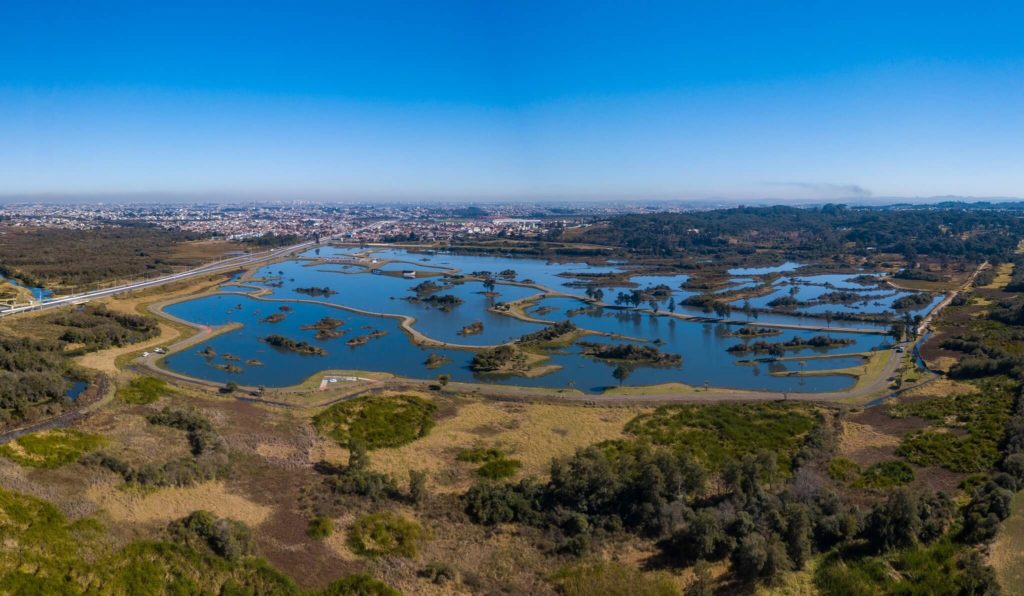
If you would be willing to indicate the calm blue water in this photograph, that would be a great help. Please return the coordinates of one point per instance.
(380, 293)
(39, 294)
(702, 345)
(76, 389)
(873, 299)
(787, 266)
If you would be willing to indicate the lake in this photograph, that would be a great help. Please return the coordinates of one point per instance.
(702, 345)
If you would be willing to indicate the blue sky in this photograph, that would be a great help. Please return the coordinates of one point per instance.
(495, 100)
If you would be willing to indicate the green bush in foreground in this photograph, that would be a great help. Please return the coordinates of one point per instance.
(50, 449)
(842, 469)
(142, 390)
(320, 527)
(478, 455)
(377, 420)
(613, 579)
(982, 414)
(940, 568)
(44, 555)
(385, 533)
(886, 474)
(496, 469)
(717, 433)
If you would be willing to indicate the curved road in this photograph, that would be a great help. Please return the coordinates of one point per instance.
(226, 264)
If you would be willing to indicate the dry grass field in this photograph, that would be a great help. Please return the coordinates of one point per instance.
(1007, 552)
(530, 433)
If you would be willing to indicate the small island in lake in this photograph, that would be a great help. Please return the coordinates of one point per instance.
(630, 353)
(324, 291)
(364, 339)
(291, 345)
(443, 302)
(474, 328)
(326, 328)
(436, 360)
(797, 343)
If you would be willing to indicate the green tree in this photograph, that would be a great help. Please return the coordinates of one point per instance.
(621, 373)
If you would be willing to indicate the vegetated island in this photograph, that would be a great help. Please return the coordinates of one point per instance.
(326, 328)
(752, 331)
(502, 358)
(436, 360)
(442, 302)
(274, 318)
(363, 339)
(913, 301)
(291, 345)
(797, 343)
(313, 291)
(630, 353)
(426, 288)
(549, 334)
(473, 328)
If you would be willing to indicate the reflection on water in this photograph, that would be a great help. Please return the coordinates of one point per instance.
(702, 345)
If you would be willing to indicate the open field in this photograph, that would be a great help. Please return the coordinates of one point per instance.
(1007, 553)
(532, 434)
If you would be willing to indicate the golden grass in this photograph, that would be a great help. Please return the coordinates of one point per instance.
(1006, 555)
(1004, 272)
(530, 433)
(662, 389)
(168, 504)
(280, 451)
(940, 388)
(864, 444)
(794, 583)
(921, 285)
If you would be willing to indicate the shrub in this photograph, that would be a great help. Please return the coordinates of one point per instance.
(377, 421)
(438, 573)
(843, 469)
(142, 390)
(497, 469)
(320, 527)
(886, 474)
(227, 538)
(50, 449)
(479, 454)
(717, 433)
(386, 534)
(613, 578)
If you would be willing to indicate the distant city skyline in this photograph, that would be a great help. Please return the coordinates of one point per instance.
(533, 101)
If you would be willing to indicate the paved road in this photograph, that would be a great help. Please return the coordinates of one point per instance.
(226, 264)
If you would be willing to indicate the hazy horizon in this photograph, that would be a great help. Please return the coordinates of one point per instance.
(458, 101)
